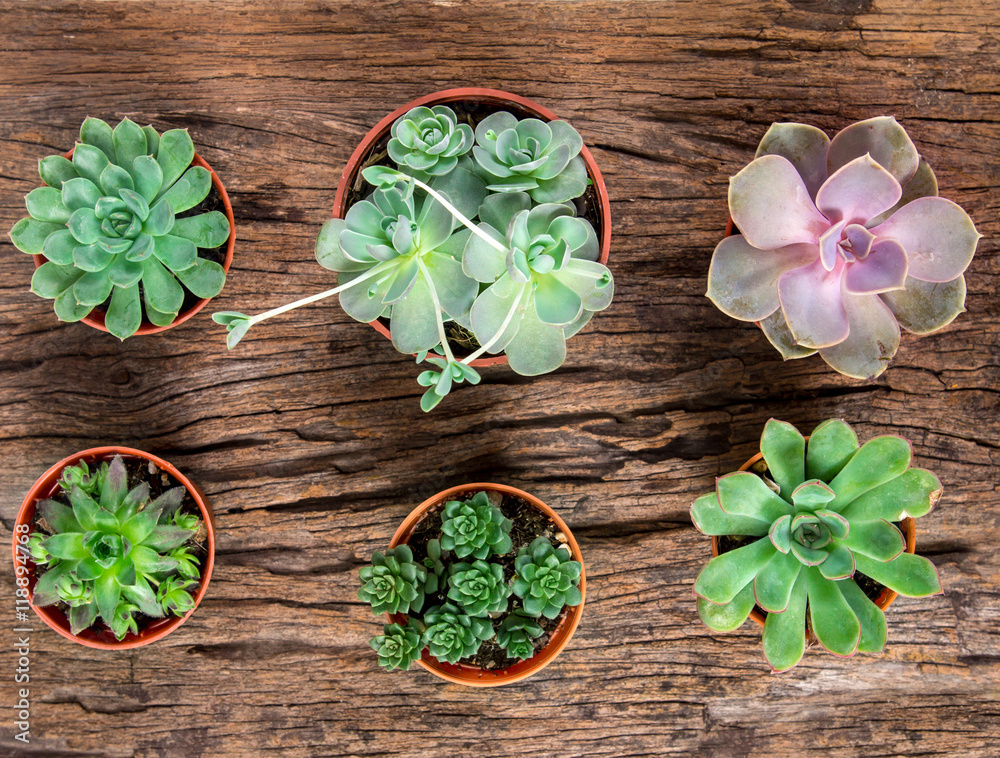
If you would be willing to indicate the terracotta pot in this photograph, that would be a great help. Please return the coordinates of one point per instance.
(474, 676)
(521, 107)
(884, 599)
(96, 317)
(52, 615)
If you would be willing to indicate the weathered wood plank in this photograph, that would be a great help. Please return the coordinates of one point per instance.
(311, 447)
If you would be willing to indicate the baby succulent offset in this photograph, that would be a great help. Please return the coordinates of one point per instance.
(547, 579)
(841, 243)
(476, 597)
(114, 552)
(522, 280)
(107, 223)
(827, 511)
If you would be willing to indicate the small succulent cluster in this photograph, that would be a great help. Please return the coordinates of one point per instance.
(841, 243)
(108, 224)
(546, 581)
(826, 509)
(113, 552)
(471, 229)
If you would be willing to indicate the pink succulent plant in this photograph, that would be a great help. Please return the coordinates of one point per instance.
(841, 242)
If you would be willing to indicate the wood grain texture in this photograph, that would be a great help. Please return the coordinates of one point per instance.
(309, 441)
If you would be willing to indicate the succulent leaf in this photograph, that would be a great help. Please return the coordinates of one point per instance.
(784, 638)
(727, 616)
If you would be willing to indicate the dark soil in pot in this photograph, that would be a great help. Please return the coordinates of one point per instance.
(469, 112)
(869, 586)
(159, 481)
(212, 202)
(527, 524)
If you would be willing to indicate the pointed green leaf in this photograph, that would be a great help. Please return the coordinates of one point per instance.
(124, 314)
(709, 518)
(59, 246)
(89, 162)
(176, 253)
(92, 288)
(81, 617)
(878, 461)
(745, 494)
(155, 317)
(28, 234)
(80, 193)
(161, 288)
(147, 176)
(45, 204)
(130, 142)
(85, 226)
(135, 203)
(907, 574)
(123, 272)
(731, 615)
(152, 139)
(784, 638)
(784, 448)
(772, 587)
(830, 617)
(807, 555)
(837, 524)
(830, 447)
(174, 154)
(780, 533)
(107, 593)
(839, 563)
(115, 178)
(141, 248)
(913, 493)
(811, 495)
(50, 280)
(96, 132)
(207, 230)
(160, 219)
(204, 279)
(724, 576)
(54, 170)
(876, 539)
(190, 189)
(66, 547)
(873, 626)
(115, 484)
(68, 309)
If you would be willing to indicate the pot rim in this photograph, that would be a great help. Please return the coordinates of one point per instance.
(560, 637)
(883, 600)
(459, 94)
(96, 318)
(53, 617)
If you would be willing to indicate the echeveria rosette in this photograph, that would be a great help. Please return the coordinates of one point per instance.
(842, 242)
(542, 159)
(394, 583)
(399, 645)
(429, 141)
(478, 587)
(516, 633)
(404, 242)
(475, 527)
(833, 515)
(544, 290)
(547, 579)
(106, 222)
(451, 634)
(108, 554)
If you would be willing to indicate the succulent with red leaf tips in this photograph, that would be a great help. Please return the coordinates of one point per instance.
(842, 242)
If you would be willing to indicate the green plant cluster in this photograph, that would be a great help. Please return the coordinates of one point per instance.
(107, 224)
(546, 581)
(827, 510)
(476, 229)
(113, 552)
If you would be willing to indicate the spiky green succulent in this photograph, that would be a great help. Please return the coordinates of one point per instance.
(394, 583)
(448, 245)
(516, 633)
(475, 527)
(108, 222)
(113, 552)
(542, 159)
(828, 513)
(429, 141)
(451, 634)
(547, 578)
(399, 645)
(478, 587)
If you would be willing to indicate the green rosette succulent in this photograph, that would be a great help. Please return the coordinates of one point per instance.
(398, 646)
(475, 527)
(478, 587)
(394, 583)
(112, 553)
(107, 223)
(547, 579)
(451, 634)
(429, 141)
(544, 290)
(828, 513)
(542, 159)
(516, 633)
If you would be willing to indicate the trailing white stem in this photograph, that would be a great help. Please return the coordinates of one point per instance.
(458, 214)
(503, 327)
(371, 273)
(437, 311)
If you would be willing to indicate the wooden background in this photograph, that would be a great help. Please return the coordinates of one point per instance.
(309, 441)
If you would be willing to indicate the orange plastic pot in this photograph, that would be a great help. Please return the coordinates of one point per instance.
(96, 317)
(52, 615)
(474, 676)
(520, 106)
(884, 599)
